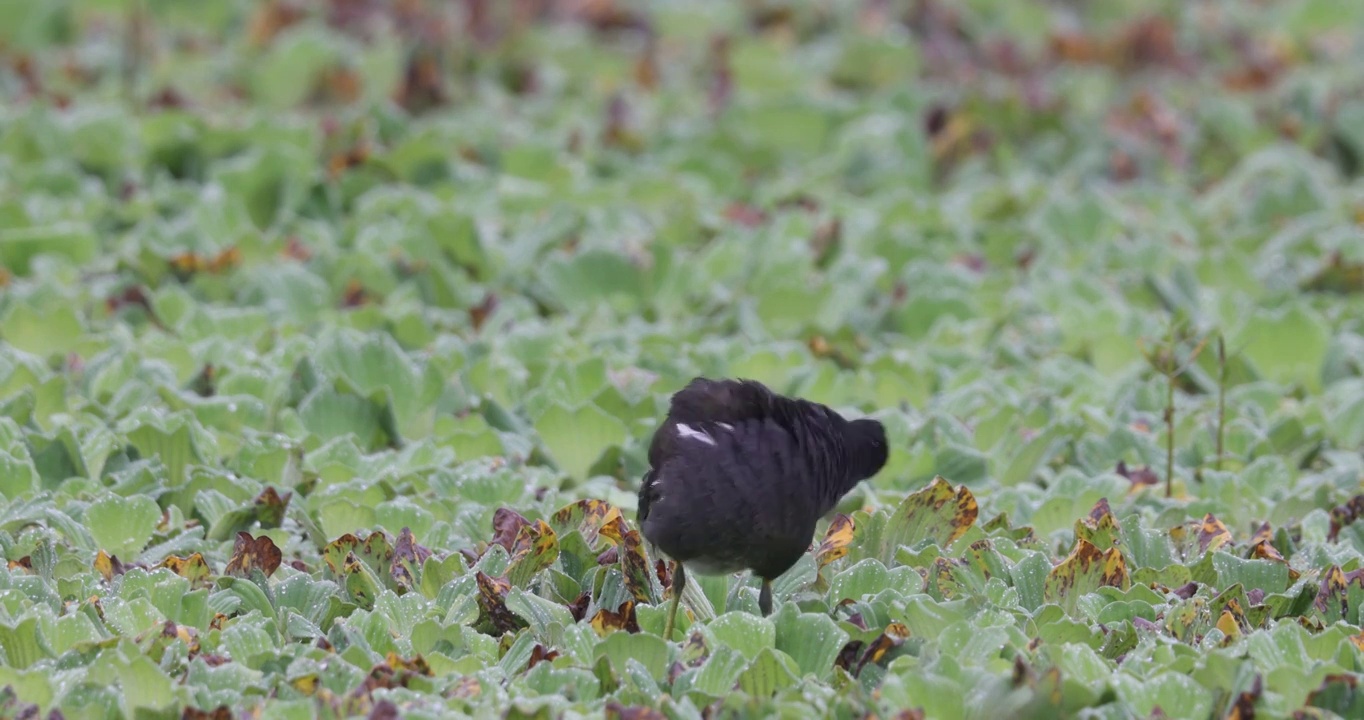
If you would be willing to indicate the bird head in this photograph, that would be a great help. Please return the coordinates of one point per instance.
(868, 451)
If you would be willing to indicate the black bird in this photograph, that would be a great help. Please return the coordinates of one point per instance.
(739, 475)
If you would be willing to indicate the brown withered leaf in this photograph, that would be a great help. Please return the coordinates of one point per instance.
(616, 711)
(480, 313)
(606, 622)
(1145, 42)
(384, 710)
(616, 131)
(272, 17)
(351, 157)
(415, 665)
(270, 507)
(507, 524)
(408, 558)
(539, 654)
(182, 633)
(826, 241)
(1337, 276)
(131, 296)
(1262, 548)
(492, 603)
(609, 16)
(1212, 534)
(108, 565)
(664, 572)
(720, 88)
(222, 712)
(847, 657)
(204, 383)
(892, 637)
(297, 250)
(1335, 690)
(1138, 476)
(578, 609)
(1332, 594)
(186, 264)
(610, 556)
(355, 294)
(250, 553)
(1345, 514)
(339, 85)
(749, 216)
(836, 540)
(646, 66)
(1243, 707)
(423, 84)
(1260, 63)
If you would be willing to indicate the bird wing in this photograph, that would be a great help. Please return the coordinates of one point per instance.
(731, 493)
(728, 401)
(705, 405)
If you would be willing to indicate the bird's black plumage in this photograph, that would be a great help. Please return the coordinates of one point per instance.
(740, 475)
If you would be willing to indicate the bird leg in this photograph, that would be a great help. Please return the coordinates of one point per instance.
(765, 598)
(679, 582)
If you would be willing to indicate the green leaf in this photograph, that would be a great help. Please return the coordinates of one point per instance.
(122, 526)
(771, 671)
(72, 240)
(648, 650)
(577, 437)
(330, 415)
(42, 331)
(744, 632)
(1287, 346)
(812, 640)
(721, 671)
(23, 643)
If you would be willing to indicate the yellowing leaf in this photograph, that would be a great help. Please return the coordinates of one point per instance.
(936, 513)
(1227, 624)
(105, 565)
(588, 517)
(492, 602)
(1085, 570)
(1100, 528)
(193, 568)
(306, 684)
(606, 622)
(635, 567)
(1212, 534)
(535, 548)
(836, 540)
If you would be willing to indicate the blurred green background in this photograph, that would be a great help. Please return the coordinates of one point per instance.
(322, 271)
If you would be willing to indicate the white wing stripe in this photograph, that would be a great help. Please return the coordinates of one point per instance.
(686, 431)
